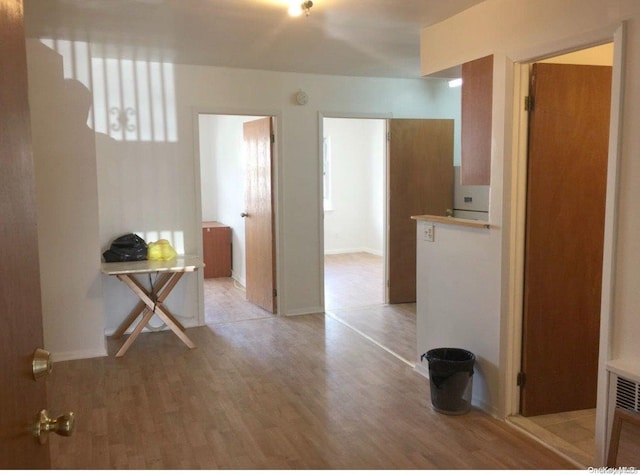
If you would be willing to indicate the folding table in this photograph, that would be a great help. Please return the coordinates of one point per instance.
(151, 301)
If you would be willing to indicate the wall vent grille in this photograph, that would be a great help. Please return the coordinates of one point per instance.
(628, 394)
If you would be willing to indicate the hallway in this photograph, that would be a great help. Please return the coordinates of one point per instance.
(354, 295)
(270, 393)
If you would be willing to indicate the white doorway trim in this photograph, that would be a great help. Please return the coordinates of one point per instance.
(276, 190)
(512, 342)
(321, 249)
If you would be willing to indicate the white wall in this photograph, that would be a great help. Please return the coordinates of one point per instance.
(601, 55)
(355, 221)
(67, 202)
(458, 303)
(148, 177)
(222, 177)
(523, 31)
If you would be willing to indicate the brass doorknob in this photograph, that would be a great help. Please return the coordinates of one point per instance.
(61, 425)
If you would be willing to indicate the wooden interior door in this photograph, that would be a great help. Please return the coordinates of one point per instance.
(21, 397)
(567, 170)
(259, 219)
(420, 181)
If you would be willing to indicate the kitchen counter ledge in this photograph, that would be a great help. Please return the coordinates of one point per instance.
(470, 223)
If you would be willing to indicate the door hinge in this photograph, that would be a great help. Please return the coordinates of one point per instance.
(273, 138)
(528, 103)
(521, 379)
(275, 292)
(388, 136)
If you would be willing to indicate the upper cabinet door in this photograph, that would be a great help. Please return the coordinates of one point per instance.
(477, 94)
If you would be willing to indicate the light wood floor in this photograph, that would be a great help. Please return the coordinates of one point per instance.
(571, 433)
(266, 392)
(225, 302)
(354, 295)
(353, 280)
(270, 393)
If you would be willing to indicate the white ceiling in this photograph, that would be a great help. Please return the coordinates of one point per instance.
(378, 38)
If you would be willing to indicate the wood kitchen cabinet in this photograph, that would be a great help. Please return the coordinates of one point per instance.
(477, 97)
(216, 248)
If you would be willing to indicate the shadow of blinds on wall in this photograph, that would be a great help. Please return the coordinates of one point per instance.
(133, 100)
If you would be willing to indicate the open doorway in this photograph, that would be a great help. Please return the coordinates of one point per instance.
(563, 250)
(354, 152)
(354, 201)
(377, 174)
(238, 240)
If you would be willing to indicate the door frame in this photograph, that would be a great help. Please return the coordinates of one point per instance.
(347, 115)
(516, 182)
(276, 177)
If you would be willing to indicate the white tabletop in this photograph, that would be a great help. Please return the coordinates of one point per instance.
(178, 264)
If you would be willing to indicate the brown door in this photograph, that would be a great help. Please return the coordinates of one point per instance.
(475, 121)
(566, 186)
(259, 219)
(420, 181)
(21, 397)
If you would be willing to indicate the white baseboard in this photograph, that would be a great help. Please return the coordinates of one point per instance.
(303, 311)
(187, 322)
(375, 252)
(422, 369)
(484, 407)
(240, 280)
(79, 355)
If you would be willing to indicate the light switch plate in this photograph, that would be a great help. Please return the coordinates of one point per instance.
(428, 232)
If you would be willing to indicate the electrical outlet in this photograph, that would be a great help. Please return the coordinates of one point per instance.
(428, 232)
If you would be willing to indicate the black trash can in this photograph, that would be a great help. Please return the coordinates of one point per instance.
(450, 379)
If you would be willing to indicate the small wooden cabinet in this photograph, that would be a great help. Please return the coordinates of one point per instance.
(216, 248)
(477, 98)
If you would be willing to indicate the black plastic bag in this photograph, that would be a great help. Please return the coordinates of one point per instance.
(129, 247)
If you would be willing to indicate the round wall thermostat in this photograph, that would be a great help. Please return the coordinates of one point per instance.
(302, 98)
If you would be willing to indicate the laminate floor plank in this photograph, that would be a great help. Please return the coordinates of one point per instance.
(272, 393)
(353, 280)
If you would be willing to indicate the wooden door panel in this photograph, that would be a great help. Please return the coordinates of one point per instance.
(259, 224)
(21, 398)
(420, 181)
(476, 99)
(567, 168)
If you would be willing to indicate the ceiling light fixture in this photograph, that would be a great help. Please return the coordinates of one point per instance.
(296, 9)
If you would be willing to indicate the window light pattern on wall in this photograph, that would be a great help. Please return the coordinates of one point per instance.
(175, 238)
(133, 100)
